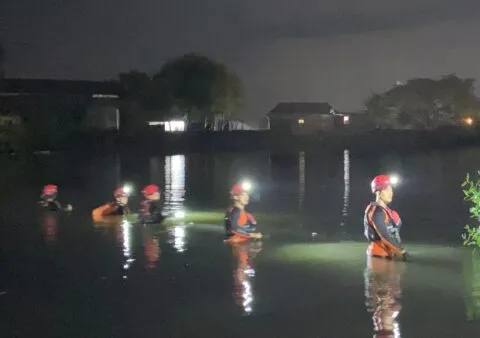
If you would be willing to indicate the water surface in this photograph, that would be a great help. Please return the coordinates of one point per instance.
(62, 276)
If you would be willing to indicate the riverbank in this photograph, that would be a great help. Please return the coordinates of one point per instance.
(364, 142)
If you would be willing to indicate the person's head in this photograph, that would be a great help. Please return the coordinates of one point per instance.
(121, 197)
(151, 192)
(50, 192)
(382, 188)
(239, 195)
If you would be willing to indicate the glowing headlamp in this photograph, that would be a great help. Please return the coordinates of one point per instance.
(247, 186)
(127, 189)
(394, 179)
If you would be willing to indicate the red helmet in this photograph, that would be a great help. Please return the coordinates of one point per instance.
(120, 192)
(237, 190)
(50, 189)
(150, 189)
(380, 182)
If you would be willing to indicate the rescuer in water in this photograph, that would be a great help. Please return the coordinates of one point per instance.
(48, 199)
(118, 207)
(151, 209)
(239, 224)
(382, 225)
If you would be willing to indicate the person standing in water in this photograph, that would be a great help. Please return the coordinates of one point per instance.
(382, 224)
(48, 199)
(118, 207)
(151, 209)
(239, 224)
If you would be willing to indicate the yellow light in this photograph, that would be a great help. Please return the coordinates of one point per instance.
(301, 121)
(468, 121)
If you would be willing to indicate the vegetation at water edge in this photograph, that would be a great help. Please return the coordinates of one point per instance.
(471, 191)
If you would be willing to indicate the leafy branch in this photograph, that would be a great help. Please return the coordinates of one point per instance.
(471, 192)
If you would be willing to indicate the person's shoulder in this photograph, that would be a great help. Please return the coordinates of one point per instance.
(378, 212)
(374, 209)
(233, 211)
(371, 207)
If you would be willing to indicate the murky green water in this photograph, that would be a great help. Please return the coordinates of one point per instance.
(63, 276)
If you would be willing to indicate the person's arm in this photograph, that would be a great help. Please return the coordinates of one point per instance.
(396, 218)
(58, 205)
(379, 221)
(103, 210)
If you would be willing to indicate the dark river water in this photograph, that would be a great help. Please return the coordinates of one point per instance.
(64, 276)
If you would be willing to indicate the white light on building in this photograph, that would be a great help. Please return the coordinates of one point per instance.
(170, 126)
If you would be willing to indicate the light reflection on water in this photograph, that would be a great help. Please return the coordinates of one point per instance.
(127, 246)
(50, 227)
(346, 185)
(174, 183)
(178, 237)
(151, 247)
(244, 274)
(175, 199)
(383, 292)
(301, 180)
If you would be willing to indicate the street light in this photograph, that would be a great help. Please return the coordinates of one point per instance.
(468, 121)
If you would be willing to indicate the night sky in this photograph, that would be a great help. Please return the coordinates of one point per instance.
(284, 50)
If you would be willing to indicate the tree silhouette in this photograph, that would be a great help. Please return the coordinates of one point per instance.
(423, 103)
(201, 87)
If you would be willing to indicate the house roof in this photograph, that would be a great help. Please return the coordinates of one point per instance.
(67, 87)
(308, 108)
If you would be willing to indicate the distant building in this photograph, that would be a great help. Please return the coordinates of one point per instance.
(62, 104)
(181, 124)
(305, 118)
(171, 126)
